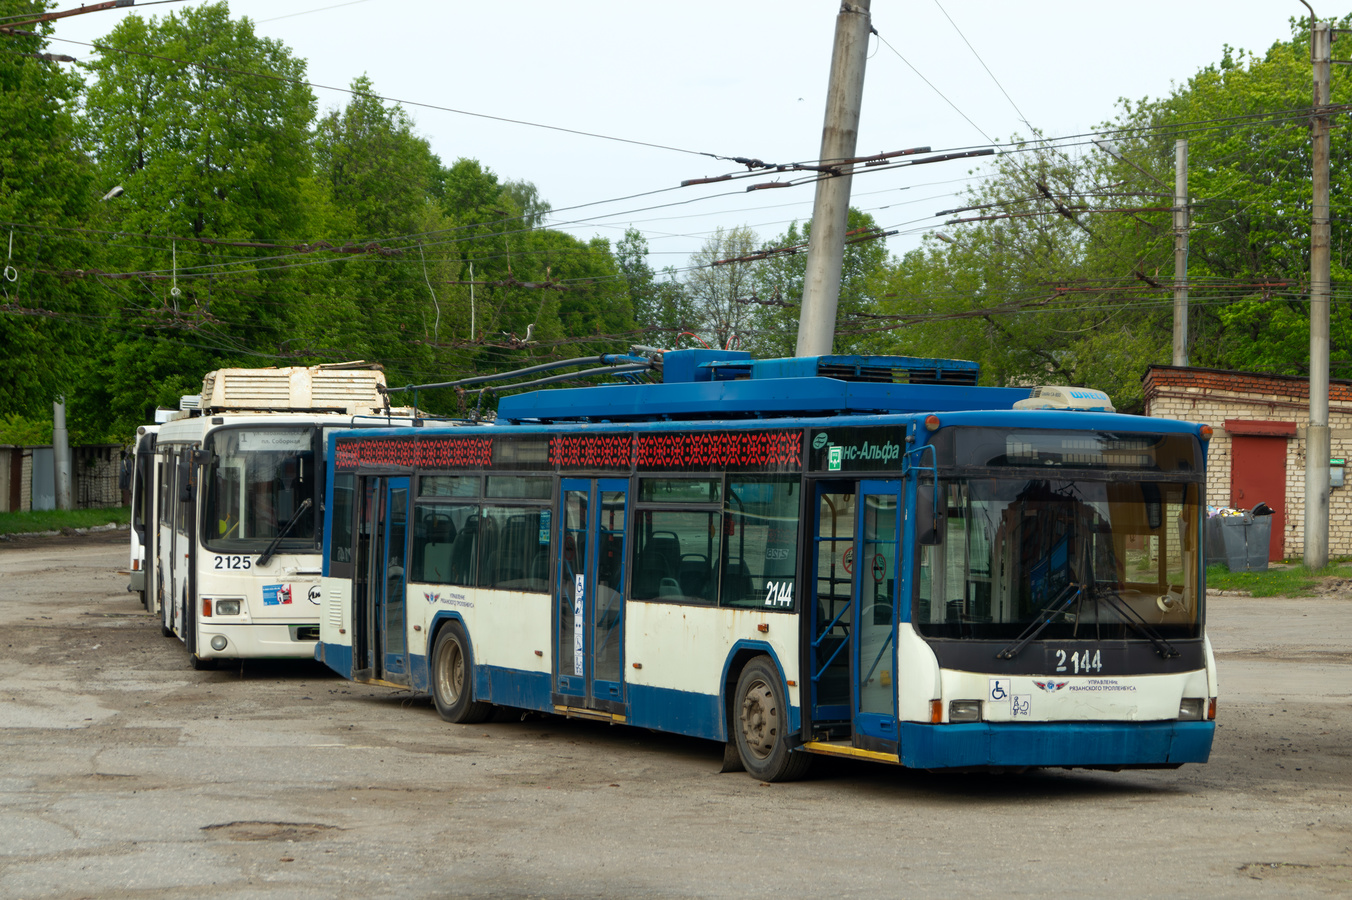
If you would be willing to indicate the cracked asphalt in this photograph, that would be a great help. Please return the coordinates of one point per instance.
(126, 774)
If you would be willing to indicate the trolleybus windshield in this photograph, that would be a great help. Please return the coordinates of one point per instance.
(1087, 536)
(256, 481)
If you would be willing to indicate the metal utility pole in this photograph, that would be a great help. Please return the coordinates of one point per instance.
(1181, 253)
(1317, 432)
(831, 208)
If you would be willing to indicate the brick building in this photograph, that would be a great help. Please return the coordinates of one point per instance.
(1257, 452)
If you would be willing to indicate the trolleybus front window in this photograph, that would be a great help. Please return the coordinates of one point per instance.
(1086, 536)
(256, 482)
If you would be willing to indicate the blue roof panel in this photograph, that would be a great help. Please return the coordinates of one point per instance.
(748, 398)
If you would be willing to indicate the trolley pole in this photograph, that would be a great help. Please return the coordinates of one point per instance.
(831, 207)
(1181, 253)
(1317, 432)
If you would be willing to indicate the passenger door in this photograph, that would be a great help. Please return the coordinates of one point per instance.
(833, 567)
(379, 597)
(876, 595)
(589, 594)
(393, 596)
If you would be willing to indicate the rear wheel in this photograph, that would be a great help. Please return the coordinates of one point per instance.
(760, 725)
(453, 678)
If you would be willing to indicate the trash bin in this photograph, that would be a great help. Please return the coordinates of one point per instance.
(1260, 536)
(1240, 540)
(1235, 540)
(1215, 547)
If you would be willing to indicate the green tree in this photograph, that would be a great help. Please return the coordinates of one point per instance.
(1069, 276)
(720, 289)
(1013, 292)
(206, 126)
(386, 188)
(49, 320)
(380, 172)
(779, 287)
(1249, 175)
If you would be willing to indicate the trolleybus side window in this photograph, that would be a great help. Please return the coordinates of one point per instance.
(504, 545)
(165, 482)
(677, 539)
(183, 491)
(520, 487)
(340, 541)
(515, 548)
(760, 542)
(446, 530)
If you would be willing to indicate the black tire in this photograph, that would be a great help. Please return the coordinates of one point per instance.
(201, 664)
(188, 618)
(453, 678)
(760, 725)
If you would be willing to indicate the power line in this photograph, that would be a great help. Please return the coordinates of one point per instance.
(414, 103)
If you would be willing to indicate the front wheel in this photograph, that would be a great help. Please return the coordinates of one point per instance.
(761, 725)
(453, 678)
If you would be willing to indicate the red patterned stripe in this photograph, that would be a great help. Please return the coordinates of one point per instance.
(430, 453)
(706, 450)
(591, 451)
(700, 451)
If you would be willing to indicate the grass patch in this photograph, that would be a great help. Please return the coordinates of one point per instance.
(55, 520)
(1287, 581)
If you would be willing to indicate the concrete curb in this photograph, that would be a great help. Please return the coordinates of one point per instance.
(93, 529)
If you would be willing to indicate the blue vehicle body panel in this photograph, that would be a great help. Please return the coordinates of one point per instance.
(1055, 744)
(778, 397)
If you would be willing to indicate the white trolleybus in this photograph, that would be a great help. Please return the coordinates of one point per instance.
(233, 532)
(142, 509)
(852, 556)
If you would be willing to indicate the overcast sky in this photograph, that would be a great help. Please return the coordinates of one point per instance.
(737, 79)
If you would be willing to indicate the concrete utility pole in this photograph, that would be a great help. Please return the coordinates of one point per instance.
(61, 453)
(1317, 432)
(1181, 215)
(831, 208)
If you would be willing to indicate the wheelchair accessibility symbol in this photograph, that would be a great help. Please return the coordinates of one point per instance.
(1000, 690)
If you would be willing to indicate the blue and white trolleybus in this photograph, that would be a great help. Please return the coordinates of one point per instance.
(855, 556)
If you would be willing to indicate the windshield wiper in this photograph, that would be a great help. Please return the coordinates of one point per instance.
(272, 548)
(1135, 621)
(1070, 592)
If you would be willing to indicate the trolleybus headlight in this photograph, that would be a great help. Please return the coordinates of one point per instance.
(227, 607)
(1191, 708)
(218, 642)
(964, 711)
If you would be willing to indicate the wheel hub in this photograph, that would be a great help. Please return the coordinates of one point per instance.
(760, 719)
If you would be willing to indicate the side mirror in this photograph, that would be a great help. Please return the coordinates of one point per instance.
(928, 520)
